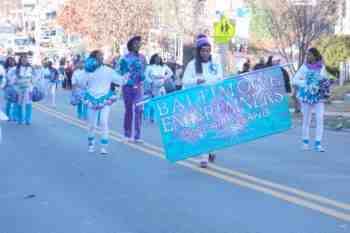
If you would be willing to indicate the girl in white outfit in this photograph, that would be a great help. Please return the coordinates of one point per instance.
(10, 93)
(202, 70)
(79, 91)
(22, 77)
(3, 117)
(157, 73)
(50, 77)
(53, 80)
(313, 89)
(99, 97)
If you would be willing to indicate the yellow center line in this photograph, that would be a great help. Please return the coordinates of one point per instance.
(301, 193)
(240, 179)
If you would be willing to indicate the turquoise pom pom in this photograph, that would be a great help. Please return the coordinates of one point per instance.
(91, 64)
(123, 66)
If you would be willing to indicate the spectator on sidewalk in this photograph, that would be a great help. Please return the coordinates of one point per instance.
(260, 65)
(245, 68)
(286, 78)
(69, 73)
(269, 62)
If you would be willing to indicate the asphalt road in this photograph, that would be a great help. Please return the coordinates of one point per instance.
(49, 183)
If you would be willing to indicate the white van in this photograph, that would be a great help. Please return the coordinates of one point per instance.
(22, 45)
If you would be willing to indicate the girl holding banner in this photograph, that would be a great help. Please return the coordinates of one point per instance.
(313, 89)
(98, 97)
(203, 70)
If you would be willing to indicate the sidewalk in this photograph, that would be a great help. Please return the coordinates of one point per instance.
(343, 114)
(337, 116)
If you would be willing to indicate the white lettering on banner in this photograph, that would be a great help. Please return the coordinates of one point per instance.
(222, 104)
(163, 108)
(208, 111)
(202, 97)
(243, 87)
(168, 125)
(178, 106)
(189, 102)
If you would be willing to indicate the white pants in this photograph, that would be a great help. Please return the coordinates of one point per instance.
(93, 122)
(24, 96)
(307, 110)
(52, 91)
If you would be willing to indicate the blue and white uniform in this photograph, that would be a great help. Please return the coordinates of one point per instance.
(78, 93)
(313, 87)
(22, 79)
(98, 98)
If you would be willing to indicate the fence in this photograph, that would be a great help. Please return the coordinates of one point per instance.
(344, 72)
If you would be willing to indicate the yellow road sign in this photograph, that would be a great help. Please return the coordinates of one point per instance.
(224, 31)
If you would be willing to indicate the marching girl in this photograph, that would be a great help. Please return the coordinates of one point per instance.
(2, 76)
(202, 70)
(22, 77)
(3, 117)
(313, 89)
(99, 97)
(10, 93)
(157, 73)
(79, 91)
(2, 85)
(52, 77)
(132, 68)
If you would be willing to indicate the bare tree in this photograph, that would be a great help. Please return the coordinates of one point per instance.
(104, 22)
(297, 24)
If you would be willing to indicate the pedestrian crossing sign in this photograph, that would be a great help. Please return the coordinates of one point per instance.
(224, 31)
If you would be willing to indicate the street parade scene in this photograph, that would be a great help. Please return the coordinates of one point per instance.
(174, 116)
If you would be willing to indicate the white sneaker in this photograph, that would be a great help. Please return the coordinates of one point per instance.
(139, 141)
(127, 140)
(319, 148)
(91, 149)
(203, 164)
(104, 151)
(305, 146)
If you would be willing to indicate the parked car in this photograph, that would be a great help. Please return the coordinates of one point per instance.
(22, 45)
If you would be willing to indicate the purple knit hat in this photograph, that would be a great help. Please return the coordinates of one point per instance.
(316, 66)
(202, 40)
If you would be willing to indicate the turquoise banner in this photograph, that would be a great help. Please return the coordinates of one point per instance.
(209, 118)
